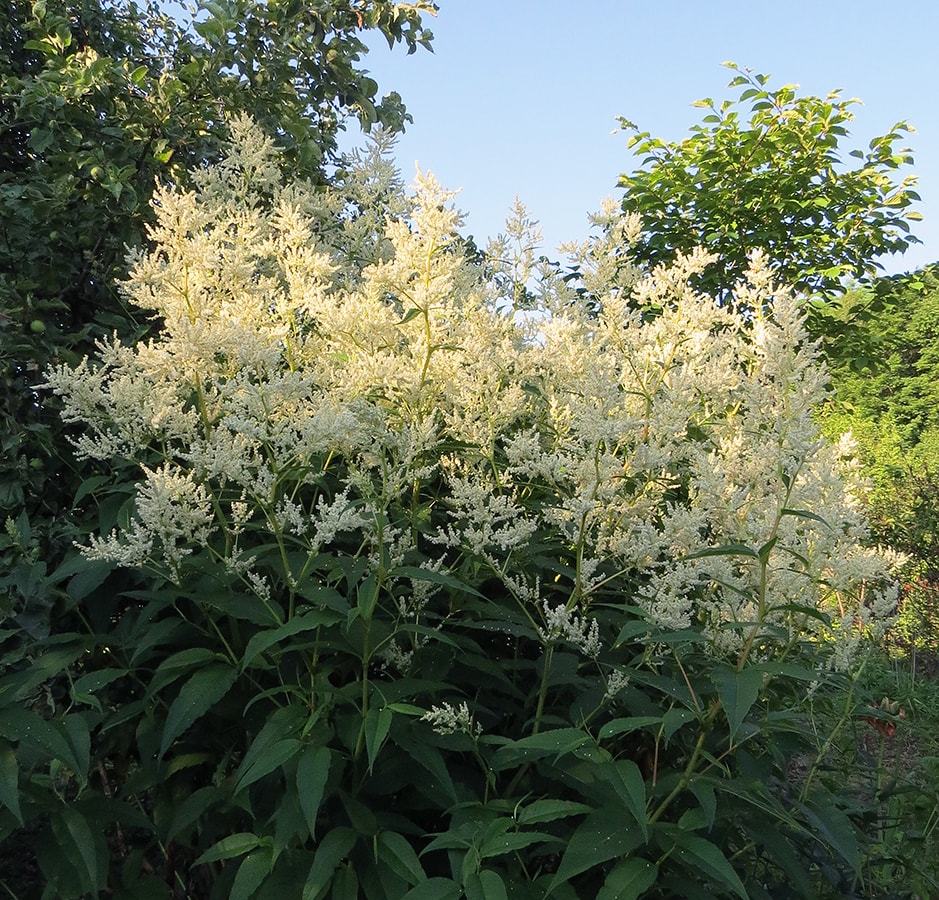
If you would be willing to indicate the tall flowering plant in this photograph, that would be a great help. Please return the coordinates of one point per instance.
(440, 599)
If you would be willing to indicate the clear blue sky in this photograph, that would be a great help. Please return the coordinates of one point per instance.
(520, 96)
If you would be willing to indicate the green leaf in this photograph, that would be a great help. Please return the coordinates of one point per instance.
(91, 577)
(398, 853)
(557, 742)
(485, 885)
(738, 692)
(629, 880)
(704, 792)
(24, 725)
(263, 640)
(725, 550)
(407, 709)
(312, 772)
(176, 665)
(781, 853)
(156, 634)
(431, 760)
(367, 597)
(626, 780)
(188, 761)
(627, 725)
(632, 630)
(91, 682)
(273, 745)
(834, 826)
(766, 550)
(698, 853)
(377, 723)
(253, 870)
(435, 889)
(196, 697)
(550, 811)
(79, 739)
(265, 762)
(345, 883)
(499, 844)
(194, 806)
(805, 514)
(410, 315)
(89, 486)
(600, 838)
(332, 849)
(80, 832)
(675, 719)
(441, 578)
(9, 781)
(234, 845)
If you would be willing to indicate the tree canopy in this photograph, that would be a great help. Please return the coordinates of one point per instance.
(766, 171)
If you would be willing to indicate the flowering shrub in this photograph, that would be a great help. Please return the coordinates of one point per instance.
(436, 599)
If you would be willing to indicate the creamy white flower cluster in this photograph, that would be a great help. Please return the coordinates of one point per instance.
(659, 445)
(447, 719)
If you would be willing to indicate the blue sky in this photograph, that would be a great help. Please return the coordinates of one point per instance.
(520, 96)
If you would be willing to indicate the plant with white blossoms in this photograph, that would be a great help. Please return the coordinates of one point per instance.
(608, 528)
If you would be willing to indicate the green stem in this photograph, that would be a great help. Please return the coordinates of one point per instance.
(689, 771)
(683, 782)
(846, 714)
(363, 702)
(762, 606)
(543, 689)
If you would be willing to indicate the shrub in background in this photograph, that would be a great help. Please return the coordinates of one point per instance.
(884, 391)
(417, 597)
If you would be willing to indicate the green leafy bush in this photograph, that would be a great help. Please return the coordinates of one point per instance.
(882, 360)
(418, 597)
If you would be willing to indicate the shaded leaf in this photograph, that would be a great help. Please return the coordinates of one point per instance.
(698, 853)
(435, 889)
(254, 868)
(312, 772)
(398, 853)
(738, 692)
(599, 838)
(265, 762)
(629, 880)
(196, 697)
(485, 885)
(9, 781)
(377, 723)
(228, 847)
(441, 578)
(264, 640)
(80, 832)
(332, 849)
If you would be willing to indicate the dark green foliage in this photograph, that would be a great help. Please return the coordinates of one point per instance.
(766, 172)
(99, 99)
(204, 749)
